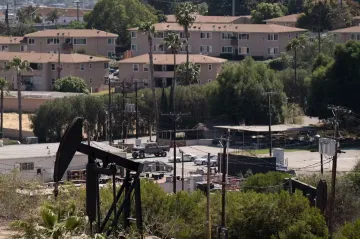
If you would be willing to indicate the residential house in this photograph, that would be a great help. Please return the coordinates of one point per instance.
(346, 34)
(137, 68)
(45, 69)
(216, 19)
(12, 44)
(224, 40)
(356, 21)
(90, 41)
(66, 15)
(289, 20)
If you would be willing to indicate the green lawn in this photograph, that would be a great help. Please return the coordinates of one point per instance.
(266, 151)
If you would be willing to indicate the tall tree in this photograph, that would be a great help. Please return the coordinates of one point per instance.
(117, 16)
(264, 11)
(27, 14)
(19, 65)
(3, 84)
(294, 45)
(191, 71)
(148, 29)
(53, 16)
(185, 14)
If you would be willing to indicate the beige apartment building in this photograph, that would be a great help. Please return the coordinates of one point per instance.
(216, 19)
(137, 68)
(346, 34)
(92, 41)
(229, 41)
(12, 44)
(289, 20)
(45, 69)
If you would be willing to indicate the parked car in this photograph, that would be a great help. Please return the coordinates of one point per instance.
(116, 73)
(150, 148)
(112, 70)
(204, 159)
(187, 158)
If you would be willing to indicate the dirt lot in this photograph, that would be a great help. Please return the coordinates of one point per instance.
(11, 121)
(5, 231)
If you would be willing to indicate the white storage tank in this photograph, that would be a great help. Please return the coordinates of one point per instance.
(278, 153)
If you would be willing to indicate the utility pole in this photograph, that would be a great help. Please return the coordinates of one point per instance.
(208, 217)
(7, 20)
(222, 229)
(233, 7)
(322, 166)
(77, 9)
(182, 170)
(337, 111)
(269, 93)
(109, 114)
(136, 110)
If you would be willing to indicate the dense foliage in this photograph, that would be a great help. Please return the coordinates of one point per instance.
(117, 16)
(71, 84)
(264, 11)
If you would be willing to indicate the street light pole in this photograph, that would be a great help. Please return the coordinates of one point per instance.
(136, 110)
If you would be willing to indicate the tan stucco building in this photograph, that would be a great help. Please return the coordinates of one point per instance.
(137, 68)
(289, 20)
(257, 40)
(12, 44)
(216, 19)
(346, 34)
(92, 41)
(45, 69)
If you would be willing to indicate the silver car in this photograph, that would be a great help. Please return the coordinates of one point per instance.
(187, 158)
(204, 159)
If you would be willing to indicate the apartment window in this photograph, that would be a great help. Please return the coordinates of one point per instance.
(22, 48)
(110, 54)
(159, 48)
(111, 41)
(133, 47)
(145, 68)
(90, 65)
(135, 67)
(209, 80)
(244, 36)
(79, 41)
(82, 67)
(205, 49)
(31, 41)
(90, 80)
(36, 66)
(183, 35)
(163, 68)
(227, 49)
(145, 82)
(106, 65)
(159, 35)
(244, 50)
(205, 35)
(5, 63)
(53, 41)
(53, 68)
(226, 35)
(4, 48)
(26, 166)
(273, 51)
(198, 66)
(273, 37)
(355, 37)
(210, 67)
(133, 34)
(296, 35)
(52, 81)
(289, 35)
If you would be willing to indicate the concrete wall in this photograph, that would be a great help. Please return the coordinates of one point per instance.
(14, 133)
(29, 104)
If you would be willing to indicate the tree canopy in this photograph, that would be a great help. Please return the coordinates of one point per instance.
(71, 84)
(264, 11)
(328, 15)
(117, 16)
(192, 76)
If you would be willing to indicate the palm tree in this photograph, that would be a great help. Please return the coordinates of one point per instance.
(19, 65)
(3, 84)
(173, 42)
(185, 14)
(294, 45)
(149, 29)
